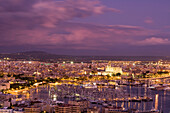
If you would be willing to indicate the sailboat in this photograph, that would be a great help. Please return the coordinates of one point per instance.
(153, 110)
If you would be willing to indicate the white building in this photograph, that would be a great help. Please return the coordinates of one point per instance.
(114, 70)
(111, 70)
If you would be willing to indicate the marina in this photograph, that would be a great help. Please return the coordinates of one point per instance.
(137, 99)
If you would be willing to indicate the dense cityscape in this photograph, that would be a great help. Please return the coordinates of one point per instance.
(99, 86)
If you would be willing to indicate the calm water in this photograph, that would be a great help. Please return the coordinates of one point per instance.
(163, 98)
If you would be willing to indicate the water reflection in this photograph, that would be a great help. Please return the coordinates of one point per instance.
(161, 99)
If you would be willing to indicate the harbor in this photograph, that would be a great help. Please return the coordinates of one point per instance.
(128, 98)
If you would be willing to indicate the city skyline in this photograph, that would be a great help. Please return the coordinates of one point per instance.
(85, 27)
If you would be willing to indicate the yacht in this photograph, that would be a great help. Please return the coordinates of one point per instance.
(148, 111)
(90, 86)
(167, 89)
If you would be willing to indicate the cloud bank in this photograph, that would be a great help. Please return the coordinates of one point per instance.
(46, 24)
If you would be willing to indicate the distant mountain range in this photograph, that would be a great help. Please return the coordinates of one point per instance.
(31, 55)
(44, 56)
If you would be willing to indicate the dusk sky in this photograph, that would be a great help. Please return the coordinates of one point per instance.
(86, 27)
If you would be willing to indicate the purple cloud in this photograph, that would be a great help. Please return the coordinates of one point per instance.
(81, 36)
(49, 12)
(46, 24)
(153, 41)
(56, 11)
(149, 20)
